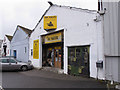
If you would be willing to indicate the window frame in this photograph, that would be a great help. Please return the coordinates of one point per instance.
(12, 62)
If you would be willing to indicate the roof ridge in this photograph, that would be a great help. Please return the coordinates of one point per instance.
(24, 27)
(9, 37)
(72, 8)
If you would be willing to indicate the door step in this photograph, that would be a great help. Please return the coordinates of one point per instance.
(53, 69)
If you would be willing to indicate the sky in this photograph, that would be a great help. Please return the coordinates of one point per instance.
(27, 13)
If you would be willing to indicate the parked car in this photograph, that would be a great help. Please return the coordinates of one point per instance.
(9, 63)
(8, 56)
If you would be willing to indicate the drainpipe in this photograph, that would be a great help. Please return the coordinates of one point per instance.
(101, 13)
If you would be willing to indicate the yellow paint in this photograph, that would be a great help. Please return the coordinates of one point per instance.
(57, 47)
(69, 67)
(50, 22)
(80, 70)
(50, 49)
(74, 60)
(57, 37)
(36, 49)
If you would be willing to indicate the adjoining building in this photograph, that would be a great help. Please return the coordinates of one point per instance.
(6, 45)
(110, 10)
(68, 38)
(20, 43)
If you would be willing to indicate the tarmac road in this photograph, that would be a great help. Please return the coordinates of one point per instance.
(46, 79)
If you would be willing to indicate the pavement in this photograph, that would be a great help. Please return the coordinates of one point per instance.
(47, 79)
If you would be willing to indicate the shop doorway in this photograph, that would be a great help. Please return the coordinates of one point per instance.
(53, 55)
(52, 50)
(78, 60)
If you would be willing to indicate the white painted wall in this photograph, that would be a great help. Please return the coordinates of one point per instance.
(19, 42)
(35, 62)
(79, 29)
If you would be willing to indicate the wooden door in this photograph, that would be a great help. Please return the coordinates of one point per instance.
(57, 57)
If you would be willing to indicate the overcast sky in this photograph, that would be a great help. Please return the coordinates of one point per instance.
(28, 12)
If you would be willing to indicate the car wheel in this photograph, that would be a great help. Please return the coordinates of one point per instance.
(24, 68)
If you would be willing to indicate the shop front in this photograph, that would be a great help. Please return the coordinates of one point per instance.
(52, 50)
(77, 50)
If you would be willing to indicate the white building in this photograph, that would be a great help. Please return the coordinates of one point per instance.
(20, 44)
(71, 39)
(6, 45)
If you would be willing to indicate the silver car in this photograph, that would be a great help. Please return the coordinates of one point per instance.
(13, 64)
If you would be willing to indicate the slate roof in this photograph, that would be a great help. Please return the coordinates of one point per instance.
(9, 37)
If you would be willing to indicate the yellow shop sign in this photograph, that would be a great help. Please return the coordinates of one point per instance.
(57, 37)
(50, 22)
(36, 49)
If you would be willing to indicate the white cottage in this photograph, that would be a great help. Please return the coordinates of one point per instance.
(20, 43)
(68, 38)
(6, 45)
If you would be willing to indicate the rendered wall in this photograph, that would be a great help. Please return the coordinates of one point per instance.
(18, 43)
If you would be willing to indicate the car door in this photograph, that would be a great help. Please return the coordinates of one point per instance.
(13, 64)
(5, 64)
